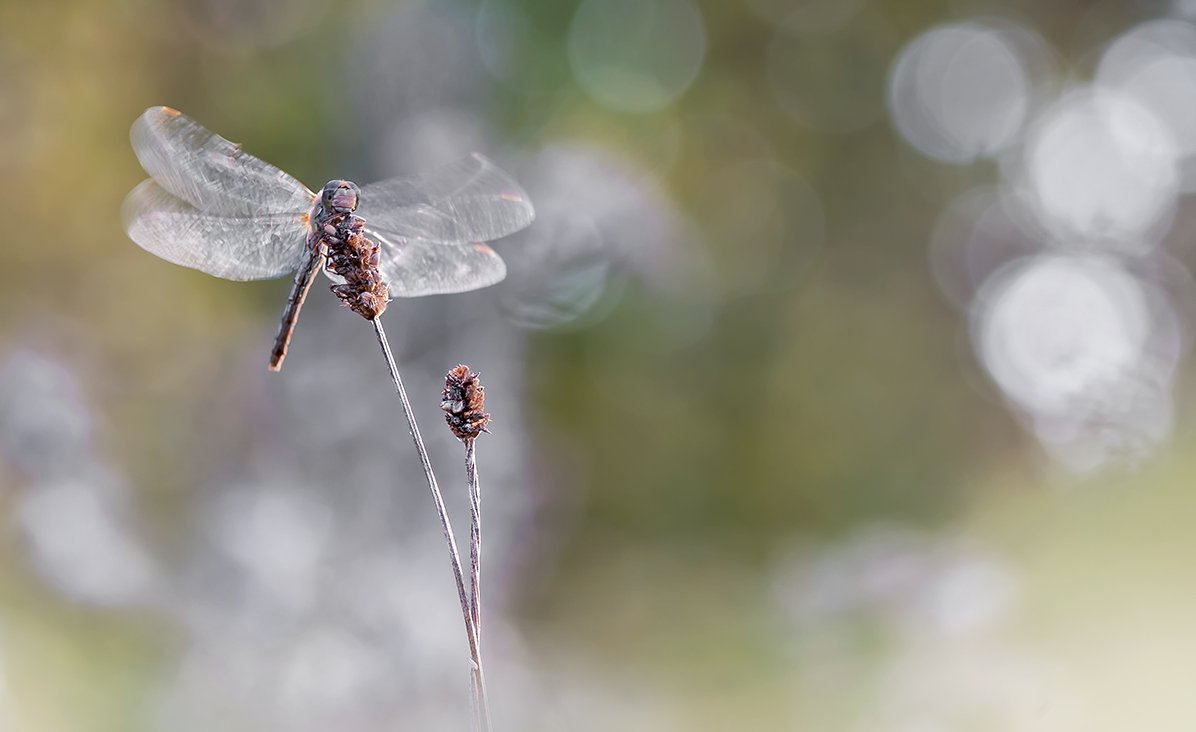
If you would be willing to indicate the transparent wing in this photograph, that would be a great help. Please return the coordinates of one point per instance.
(233, 247)
(415, 267)
(465, 201)
(209, 172)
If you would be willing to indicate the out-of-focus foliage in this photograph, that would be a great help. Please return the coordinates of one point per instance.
(841, 384)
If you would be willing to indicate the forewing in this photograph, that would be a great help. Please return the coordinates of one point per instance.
(465, 201)
(209, 172)
(233, 247)
(415, 267)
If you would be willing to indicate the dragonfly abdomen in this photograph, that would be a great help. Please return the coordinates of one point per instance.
(313, 259)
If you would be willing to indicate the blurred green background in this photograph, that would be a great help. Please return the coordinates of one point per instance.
(760, 477)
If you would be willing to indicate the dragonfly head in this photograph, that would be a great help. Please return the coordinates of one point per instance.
(339, 196)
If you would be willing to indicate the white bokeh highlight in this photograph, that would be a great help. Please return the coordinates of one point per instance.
(1101, 170)
(1086, 349)
(960, 92)
(1155, 64)
(1060, 262)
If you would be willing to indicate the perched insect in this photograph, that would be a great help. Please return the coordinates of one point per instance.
(214, 208)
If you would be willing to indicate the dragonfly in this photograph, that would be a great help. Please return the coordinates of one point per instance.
(211, 206)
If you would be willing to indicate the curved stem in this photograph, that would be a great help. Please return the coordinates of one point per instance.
(477, 682)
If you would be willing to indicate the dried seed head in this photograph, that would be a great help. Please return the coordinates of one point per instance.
(463, 401)
(355, 258)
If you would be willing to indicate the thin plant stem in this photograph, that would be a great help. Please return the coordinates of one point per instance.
(475, 535)
(481, 717)
(475, 557)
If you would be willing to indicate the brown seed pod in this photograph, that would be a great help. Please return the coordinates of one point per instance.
(354, 257)
(463, 400)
